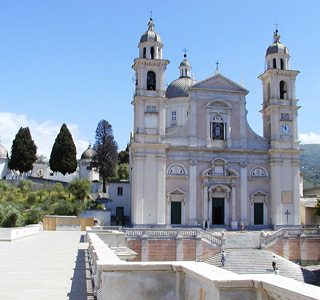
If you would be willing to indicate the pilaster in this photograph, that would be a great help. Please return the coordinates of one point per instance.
(193, 193)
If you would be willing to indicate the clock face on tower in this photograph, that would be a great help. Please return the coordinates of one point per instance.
(285, 128)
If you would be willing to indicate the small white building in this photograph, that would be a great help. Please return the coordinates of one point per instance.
(3, 162)
(85, 168)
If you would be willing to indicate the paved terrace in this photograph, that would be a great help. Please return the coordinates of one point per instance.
(49, 265)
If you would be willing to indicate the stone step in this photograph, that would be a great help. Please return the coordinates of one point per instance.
(255, 261)
(242, 240)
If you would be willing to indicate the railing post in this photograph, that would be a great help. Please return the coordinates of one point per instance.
(144, 247)
(198, 247)
(179, 246)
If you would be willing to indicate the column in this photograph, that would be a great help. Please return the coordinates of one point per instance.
(234, 223)
(210, 210)
(193, 193)
(138, 196)
(276, 192)
(193, 123)
(228, 127)
(161, 186)
(205, 203)
(296, 192)
(168, 211)
(244, 193)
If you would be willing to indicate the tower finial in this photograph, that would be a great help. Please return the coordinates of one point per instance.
(185, 50)
(217, 67)
(151, 24)
(276, 35)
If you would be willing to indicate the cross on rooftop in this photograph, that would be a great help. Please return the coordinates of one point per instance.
(217, 68)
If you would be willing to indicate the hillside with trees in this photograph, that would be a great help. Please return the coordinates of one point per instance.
(310, 164)
(26, 203)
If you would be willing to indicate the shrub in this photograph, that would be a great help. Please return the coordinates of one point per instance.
(67, 208)
(31, 198)
(31, 216)
(11, 215)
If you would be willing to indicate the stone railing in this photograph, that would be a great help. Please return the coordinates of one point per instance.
(182, 280)
(160, 232)
(266, 239)
(215, 239)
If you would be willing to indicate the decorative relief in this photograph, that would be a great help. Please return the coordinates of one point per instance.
(258, 172)
(218, 117)
(176, 170)
(176, 195)
(259, 197)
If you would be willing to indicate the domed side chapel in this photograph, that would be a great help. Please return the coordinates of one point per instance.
(194, 158)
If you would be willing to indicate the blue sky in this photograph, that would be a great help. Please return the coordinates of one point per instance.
(69, 61)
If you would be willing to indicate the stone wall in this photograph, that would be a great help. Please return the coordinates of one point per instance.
(57, 223)
(305, 251)
(171, 249)
(207, 250)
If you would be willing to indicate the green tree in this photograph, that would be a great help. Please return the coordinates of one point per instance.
(63, 156)
(23, 151)
(123, 156)
(80, 188)
(121, 172)
(3, 188)
(106, 155)
(317, 208)
(25, 186)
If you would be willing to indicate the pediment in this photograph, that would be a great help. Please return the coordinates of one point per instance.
(219, 82)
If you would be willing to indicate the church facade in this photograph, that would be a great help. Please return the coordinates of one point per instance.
(194, 158)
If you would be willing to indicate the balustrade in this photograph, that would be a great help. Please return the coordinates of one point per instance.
(290, 232)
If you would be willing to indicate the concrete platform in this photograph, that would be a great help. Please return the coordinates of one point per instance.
(50, 265)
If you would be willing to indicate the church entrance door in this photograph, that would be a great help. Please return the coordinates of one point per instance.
(175, 212)
(258, 213)
(218, 211)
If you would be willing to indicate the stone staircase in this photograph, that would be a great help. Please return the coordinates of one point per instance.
(243, 257)
(237, 240)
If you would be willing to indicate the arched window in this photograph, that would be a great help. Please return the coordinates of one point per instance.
(151, 81)
(274, 63)
(152, 52)
(283, 91)
(144, 52)
(281, 64)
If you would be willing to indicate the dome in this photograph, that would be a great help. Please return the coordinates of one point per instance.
(88, 153)
(277, 47)
(150, 35)
(179, 87)
(3, 152)
(185, 63)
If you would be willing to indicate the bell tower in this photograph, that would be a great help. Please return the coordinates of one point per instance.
(280, 128)
(279, 99)
(148, 147)
(149, 98)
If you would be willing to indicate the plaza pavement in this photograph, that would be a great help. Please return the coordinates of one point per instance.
(49, 265)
